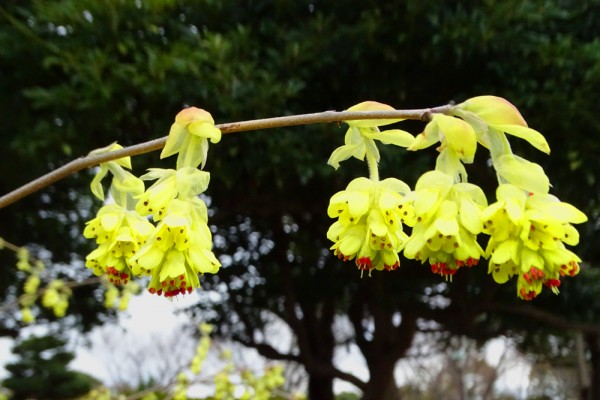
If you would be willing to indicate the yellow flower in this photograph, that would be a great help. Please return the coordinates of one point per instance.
(453, 133)
(183, 183)
(119, 233)
(178, 250)
(369, 226)
(189, 137)
(447, 222)
(528, 236)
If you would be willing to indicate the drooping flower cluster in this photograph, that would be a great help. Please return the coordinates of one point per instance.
(528, 227)
(528, 234)
(178, 249)
(447, 222)
(117, 229)
(369, 226)
(119, 233)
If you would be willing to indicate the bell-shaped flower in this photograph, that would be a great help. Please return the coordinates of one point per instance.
(361, 135)
(184, 183)
(178, 250)
(528, 233)
(369, 226)
(119, 234)
(447, 222)
(189, 136)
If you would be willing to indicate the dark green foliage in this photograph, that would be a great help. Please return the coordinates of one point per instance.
(41, 371)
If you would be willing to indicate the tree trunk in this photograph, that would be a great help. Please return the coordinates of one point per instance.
(593, 342)
(320, 387)
(382, 385)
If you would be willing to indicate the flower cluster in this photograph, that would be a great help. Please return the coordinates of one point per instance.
(369, 226)
(447, 222)
(175, 251)
(528, 233)
(528, 227)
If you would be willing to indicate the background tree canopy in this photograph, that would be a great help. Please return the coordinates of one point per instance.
(77, 75)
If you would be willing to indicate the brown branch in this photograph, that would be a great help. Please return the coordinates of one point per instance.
(156, 144)
(545, 317)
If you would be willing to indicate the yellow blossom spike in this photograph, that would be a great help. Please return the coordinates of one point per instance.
(441, 233)
(369, 226)
(178, 250)
(527, 237)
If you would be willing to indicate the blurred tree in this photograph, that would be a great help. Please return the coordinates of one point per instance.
(75, 75)
(41, 372)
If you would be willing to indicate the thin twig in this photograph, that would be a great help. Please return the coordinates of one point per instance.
(252, 125)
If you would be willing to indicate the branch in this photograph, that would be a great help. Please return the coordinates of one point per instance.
(252, 125)
(544, 317)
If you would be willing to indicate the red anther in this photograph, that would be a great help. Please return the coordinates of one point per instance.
(527, 295)
(172, 282)
(189, 289)
(159, 292)
(392, 267)
(163, 283)
(552, 283)
(181, 277)
(152, 290)
(446, 270)
(472, 261)
(527, 277)
(435, 268)
(364, 263)
(182, 284)
(124, 275)
(460, 263)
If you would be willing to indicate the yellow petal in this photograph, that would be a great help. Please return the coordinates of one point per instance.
(191, 181)
(110, 221)
(470, 216)
(530, 258)
(459, 135)
(376, 223)
(522, 173)
(174, 140)
(447, 227)
(395, 185)
(358, 203)
(173, 266)
(505, 252)
(389, 200)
